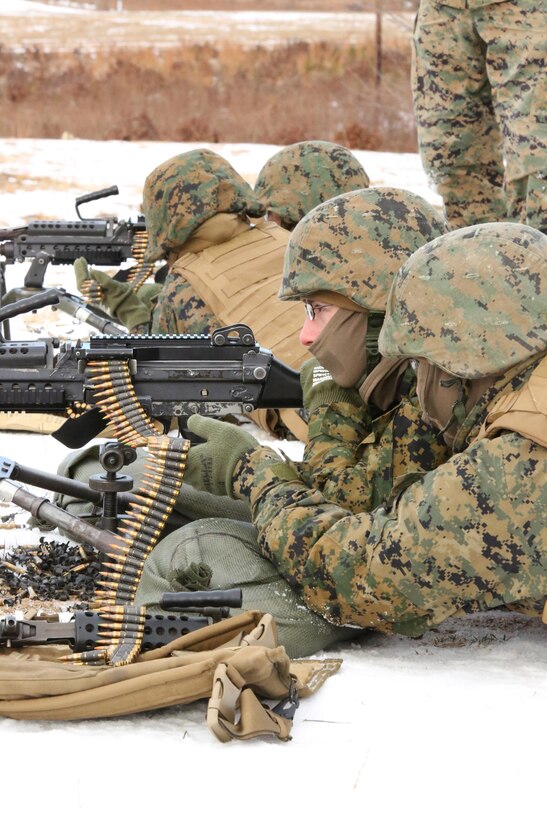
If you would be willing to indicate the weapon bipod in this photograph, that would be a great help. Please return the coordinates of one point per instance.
(107, 492)
(113, 456)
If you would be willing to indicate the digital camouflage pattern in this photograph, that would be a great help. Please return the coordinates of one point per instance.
(490, 292)
(467, 536)
(480, 95)
(368, 538)
(355, 243)
(302, 175)
(180, 310)
(184, 192)
(356, 461)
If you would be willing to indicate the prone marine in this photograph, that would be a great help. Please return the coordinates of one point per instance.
(467, 536)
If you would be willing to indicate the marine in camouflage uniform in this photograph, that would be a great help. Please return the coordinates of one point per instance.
(300, 176)
(346, 251)
(223, 268)
(191, 202)
(470, 535)
(479, 86)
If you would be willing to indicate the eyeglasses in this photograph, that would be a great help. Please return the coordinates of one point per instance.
(312, 310)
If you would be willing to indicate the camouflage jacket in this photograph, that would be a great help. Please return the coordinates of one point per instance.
(469, 535)
(356, 462)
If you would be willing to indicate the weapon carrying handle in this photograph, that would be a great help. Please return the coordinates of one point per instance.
(202, 598)
(104, 192)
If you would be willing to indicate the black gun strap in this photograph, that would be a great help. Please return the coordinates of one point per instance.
(77, 432)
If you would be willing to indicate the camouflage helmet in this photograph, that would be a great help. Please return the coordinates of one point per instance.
(187, 190)
(354, 244)
(302, 175)
(473, 302)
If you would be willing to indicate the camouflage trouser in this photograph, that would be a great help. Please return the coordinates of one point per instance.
(479, 85)
(229, 549)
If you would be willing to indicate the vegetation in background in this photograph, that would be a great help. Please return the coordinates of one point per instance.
(218, 90)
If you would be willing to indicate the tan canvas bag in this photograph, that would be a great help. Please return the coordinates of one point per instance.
(233, 663)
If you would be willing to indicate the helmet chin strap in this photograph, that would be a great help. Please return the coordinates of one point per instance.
(374, 326)
(441, 397)
(447, 400)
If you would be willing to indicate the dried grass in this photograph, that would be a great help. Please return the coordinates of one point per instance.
(224, 90)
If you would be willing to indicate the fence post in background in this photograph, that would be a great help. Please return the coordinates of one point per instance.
(378, 83)
(378, 42)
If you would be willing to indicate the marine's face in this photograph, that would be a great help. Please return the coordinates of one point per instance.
(318, 315)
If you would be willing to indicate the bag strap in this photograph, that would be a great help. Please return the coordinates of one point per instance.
(231, 695)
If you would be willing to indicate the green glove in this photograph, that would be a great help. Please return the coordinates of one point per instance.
(319, 388)
(119, 298)
(211, 466)
(148, 294)
(84, 274)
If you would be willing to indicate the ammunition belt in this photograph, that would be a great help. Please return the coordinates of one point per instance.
(95, 294)
(121, 634)
(92, 291)
(115, 397)
(142, 270)
(146, 518)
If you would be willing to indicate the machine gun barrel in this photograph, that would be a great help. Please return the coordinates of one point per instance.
(56, 483)
(77, 307)
(44, 510)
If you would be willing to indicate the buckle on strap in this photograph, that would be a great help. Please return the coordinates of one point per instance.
(287, 707)
(231, 695)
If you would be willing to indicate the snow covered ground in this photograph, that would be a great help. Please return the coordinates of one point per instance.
(88, 29)
(448, 726)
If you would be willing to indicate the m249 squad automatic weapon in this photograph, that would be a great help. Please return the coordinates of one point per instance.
(166, 376)
(102, 242)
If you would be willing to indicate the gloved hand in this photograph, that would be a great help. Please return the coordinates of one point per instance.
(117, 297)
(84, 278)
(319, 388)
(211, 465)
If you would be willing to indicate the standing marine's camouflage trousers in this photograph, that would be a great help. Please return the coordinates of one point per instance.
(480, 101)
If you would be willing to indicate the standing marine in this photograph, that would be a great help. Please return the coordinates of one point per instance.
(480, 95)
